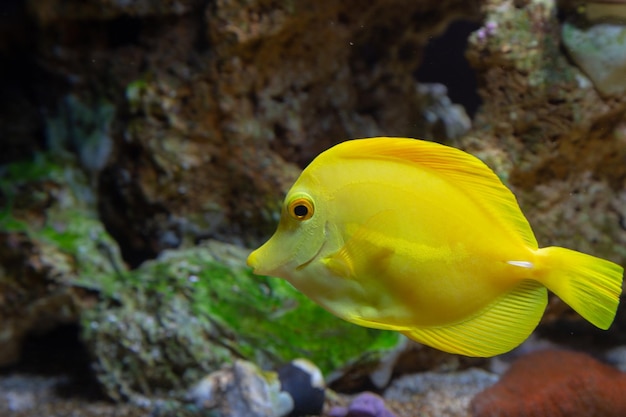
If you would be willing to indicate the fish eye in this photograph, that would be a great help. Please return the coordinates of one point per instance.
(301, 208)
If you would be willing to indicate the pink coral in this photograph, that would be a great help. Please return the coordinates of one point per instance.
(554, 383)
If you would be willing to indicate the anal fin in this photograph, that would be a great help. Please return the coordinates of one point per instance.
(504, 325)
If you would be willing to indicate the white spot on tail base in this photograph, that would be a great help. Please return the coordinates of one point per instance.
(521, 264)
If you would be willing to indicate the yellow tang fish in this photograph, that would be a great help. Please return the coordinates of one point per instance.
(422, 238)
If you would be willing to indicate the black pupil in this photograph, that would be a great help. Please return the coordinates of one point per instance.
(300, 210)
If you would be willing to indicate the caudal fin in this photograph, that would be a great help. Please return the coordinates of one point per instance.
(590, 285)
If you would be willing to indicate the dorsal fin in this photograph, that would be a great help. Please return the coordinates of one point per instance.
(468, 173)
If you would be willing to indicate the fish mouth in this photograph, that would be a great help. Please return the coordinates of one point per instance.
(252, 260)
(257, 260)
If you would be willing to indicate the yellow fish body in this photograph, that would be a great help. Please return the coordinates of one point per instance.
(422, 238)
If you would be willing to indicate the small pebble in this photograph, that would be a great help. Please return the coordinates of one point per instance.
(366, 404)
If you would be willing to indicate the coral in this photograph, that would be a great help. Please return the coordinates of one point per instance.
(554, 384)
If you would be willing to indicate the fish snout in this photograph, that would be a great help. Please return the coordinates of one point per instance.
(253, 260)
(257, 260)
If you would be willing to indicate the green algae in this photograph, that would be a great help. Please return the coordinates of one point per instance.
(193, 310)
(48, 198)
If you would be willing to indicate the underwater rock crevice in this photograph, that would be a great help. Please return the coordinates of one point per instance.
(444, 62)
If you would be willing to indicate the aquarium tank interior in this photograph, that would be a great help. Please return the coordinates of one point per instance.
(337, 208)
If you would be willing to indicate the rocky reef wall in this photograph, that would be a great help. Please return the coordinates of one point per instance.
(129, 128)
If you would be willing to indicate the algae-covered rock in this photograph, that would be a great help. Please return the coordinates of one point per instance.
(164, 326)
(155, 331)
(53, 248)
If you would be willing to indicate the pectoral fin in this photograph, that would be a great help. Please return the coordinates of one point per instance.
(364, 252)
